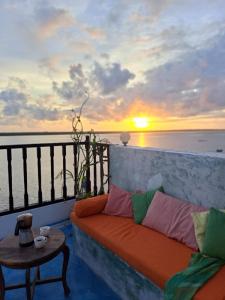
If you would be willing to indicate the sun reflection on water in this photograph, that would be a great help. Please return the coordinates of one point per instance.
(141, 140)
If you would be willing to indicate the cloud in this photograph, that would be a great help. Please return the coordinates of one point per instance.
(50, 20)
(148, 11)
(96, 33)
(156, 8)
(16, 104)
(102, 82)
(67, 90)
(111, 77)
(105, 56)
(12, 110)
(72, 90)
(149, 57)
(14, 101)
(82, 47)
(50, 65)
(16, 82)
(76, 71)
(191, 84)
(41, 113)
(12, 95)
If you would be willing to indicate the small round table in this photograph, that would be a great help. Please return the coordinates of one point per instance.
(15, 257)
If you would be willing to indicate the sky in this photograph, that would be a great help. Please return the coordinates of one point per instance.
(160, 60)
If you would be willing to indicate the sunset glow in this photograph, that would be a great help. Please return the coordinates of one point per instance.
(141, 122)
(170, 68)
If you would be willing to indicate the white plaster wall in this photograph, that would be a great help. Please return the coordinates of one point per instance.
(198, 178)
(45, 215)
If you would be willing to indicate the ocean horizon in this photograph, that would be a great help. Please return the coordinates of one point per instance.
(23, 133)
(195, 140)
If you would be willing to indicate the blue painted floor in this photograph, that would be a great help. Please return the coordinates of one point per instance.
(83, 283)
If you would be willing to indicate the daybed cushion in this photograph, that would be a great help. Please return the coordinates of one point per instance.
(149, 252)
(172, 217)
(119, 202)
(90, 206)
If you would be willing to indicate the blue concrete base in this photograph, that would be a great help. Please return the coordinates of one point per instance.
(84, 284)
(123, 279)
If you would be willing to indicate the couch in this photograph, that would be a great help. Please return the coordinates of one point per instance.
(135, 261)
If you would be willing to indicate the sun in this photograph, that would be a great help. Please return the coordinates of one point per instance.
(141, 122)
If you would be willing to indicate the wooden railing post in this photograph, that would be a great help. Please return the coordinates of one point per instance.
(39, 175)
(101, 153)
(95, 169)
(52, 173)
(88, 181)
(108, 167)
(75, 166)
(26, 201)
(9, 158)
(64, 172)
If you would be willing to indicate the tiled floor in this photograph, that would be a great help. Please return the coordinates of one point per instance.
(83, 283)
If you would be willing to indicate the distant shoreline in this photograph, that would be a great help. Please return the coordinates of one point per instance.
(105, 132)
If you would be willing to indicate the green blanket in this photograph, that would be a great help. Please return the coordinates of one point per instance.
(184, 285)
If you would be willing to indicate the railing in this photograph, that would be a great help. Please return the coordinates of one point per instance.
(94, 172)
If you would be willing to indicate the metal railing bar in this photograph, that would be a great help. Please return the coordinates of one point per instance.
(101, 152)
(88, 175)
(95, 170)
(5, 147)
(9, 159)
(108, 167)
(75, 166)
(39, 174)
(26, 199)
(52, 173)
(64, 171)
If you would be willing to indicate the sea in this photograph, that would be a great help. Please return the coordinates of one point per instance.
(210, 141)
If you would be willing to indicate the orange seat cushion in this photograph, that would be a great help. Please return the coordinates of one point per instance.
(90, 206)
(149, 252)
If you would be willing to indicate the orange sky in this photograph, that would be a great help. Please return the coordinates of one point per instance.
(126, 125)
(170, 70)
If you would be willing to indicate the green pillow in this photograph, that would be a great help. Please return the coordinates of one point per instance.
(214, 241)
(141, 202)
(200, 220)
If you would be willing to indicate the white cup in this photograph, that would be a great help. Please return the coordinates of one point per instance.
(40, 241)
(45, 230)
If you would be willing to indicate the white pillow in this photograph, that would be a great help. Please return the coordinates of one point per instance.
(155, 182)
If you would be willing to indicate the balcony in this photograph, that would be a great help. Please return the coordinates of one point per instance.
(190, 176)
(34, 167)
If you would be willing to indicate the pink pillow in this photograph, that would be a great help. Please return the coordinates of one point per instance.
(172, 217)
(119, 203)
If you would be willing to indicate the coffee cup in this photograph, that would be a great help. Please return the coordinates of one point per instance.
(45, 230)
(40, 241)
